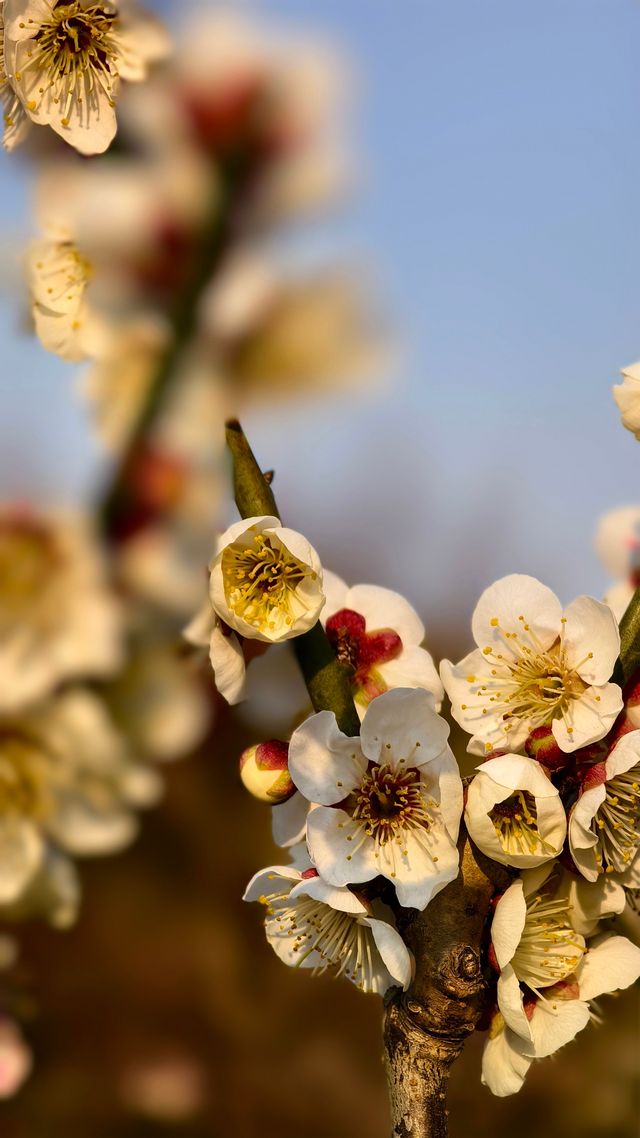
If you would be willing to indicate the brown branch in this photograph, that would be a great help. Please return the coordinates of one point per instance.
(426, 1027)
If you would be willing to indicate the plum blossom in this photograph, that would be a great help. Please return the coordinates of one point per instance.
(627, 396)
(604, 824)
(554, 1018)
(378, 634)
(389, 801)
(514, 813)
(618, 545)
(57, 617)
(535, 666)
(65, 62)
(534, 944)
(266, 581)
(312, 924)
(68, 787)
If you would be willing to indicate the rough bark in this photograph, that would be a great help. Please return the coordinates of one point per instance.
(426, 1027)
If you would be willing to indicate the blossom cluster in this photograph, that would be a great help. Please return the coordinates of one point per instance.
(372, 821)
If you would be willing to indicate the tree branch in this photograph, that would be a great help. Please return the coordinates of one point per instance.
(426, 1027)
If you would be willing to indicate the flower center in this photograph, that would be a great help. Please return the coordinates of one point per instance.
(21, 785)
(76, 52)
(362, 651)
(261, 582)
(617, 822)
(528, 682)
(515, 821)
(390, 803)
(549, 948)
(338, 939)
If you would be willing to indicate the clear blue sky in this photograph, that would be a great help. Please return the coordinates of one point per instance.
(500, 208)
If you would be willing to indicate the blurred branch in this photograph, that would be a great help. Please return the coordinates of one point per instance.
(327, 680)
(629, 661)
(227, 184)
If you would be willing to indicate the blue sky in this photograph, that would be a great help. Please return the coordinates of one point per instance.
(499, 143)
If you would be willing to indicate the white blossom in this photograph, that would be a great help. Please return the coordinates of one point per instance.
(58, 619)
(604, 824)
(627, 396)
(535, 947)
(534, 666)
(608, 964)
(65, 61)
(379, 635)
(16, 120)
(311, 924)
(266, 581)
(514, 812)
(389, 801)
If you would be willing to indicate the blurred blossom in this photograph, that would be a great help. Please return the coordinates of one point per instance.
(277, 335)
(158, 701)
(627, 396)
(65, 63)
(170, 1088)
(618, 546)
(58, 276)
(59, 620)
(68, 786)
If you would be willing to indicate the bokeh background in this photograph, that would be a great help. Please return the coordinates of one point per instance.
(494, 205)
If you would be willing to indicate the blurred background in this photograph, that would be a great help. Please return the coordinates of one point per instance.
(492, 209)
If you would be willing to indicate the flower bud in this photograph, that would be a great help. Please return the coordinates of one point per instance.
(541, 746)
(265, 773)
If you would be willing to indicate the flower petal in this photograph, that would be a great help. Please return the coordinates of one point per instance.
(508, 601)
(613, 963)
(336, 847)
(591, 640)
(402, 727)
(394, 952)
(323, 763)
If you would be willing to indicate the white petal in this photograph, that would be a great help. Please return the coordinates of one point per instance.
(199, 630)
(227, 661)
(613, 964)
(323, 763)
(267, 881)
(511, 1004)
(407, 720)
(554, 1023)
(509, 599)
(430, 862)
(337, 897)
(335, 592)
(81, 828)
(508, 923)
(589, 718)
(394, 952)
(339, 848)
(591, 640)
(503, 1066)
(413, 668)
(289, 820)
